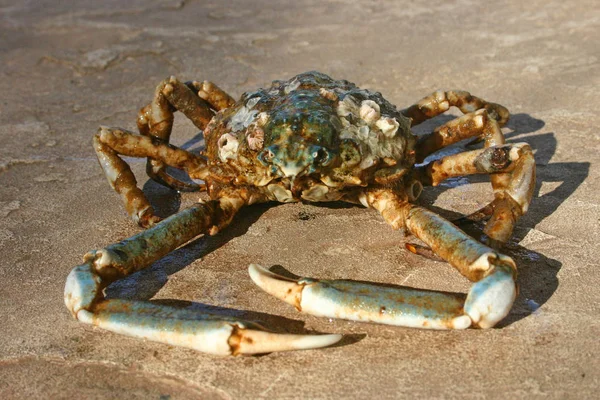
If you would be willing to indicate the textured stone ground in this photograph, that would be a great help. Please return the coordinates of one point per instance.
(64, 70)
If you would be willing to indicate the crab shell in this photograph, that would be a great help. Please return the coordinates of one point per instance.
(309, 138)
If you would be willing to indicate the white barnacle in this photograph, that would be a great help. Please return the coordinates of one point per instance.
(242, 119)
(261, 119)
(228, 147)
(347, 107)
(369, 111)
(293, 85)
(373, 142)
(252, 102)
(367, 162)
(385, 149)
(388, 126)
(328, 94)
(256, 139)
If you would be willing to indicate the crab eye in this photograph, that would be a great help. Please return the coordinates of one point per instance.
(321, 156)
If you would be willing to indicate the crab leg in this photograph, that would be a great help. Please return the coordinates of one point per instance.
(439, 102)
(478, 123)
(208, 333)
(488, 301)
(109, 143)
(512, 169)
(491, 297)
(366, 302)
(195, 101)
(214, 95)
(513, 187)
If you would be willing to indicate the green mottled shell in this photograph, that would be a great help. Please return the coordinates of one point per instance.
(370, 138)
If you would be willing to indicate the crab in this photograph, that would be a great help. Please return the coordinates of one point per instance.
(311, 139)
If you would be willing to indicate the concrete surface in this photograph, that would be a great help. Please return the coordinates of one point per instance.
(67, 68)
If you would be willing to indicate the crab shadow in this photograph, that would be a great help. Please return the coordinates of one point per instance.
(537, 278)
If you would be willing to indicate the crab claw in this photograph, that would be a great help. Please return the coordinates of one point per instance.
(491, 298)
(175, 326)
(367, 302)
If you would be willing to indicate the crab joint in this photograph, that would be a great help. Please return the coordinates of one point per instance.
(491, 299)
(414, 189)
(83, 289)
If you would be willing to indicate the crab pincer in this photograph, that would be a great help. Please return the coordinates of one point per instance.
(488, 301)
(208, 333)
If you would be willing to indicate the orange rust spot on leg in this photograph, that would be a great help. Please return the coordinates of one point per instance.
(237, 335)
(411, 247)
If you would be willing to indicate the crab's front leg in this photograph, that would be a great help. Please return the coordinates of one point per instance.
(491, 297)
(488, 301)
(208, 333)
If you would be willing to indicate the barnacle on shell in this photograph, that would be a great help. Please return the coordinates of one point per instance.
(252, 102)
(262, 118)
(363, 133)
(256, 138)
(388, 126)
(347, 107)
(293, 85)
(243, 118)
(369, 111)
(228, 147)
(328, 94)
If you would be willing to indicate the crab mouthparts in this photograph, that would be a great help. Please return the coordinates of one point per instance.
(292, 170)
(297, 184)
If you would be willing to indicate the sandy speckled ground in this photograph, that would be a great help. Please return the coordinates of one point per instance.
(66, 69)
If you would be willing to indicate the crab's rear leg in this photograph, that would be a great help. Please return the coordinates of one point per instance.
(208, 333)
(513, 169)
(476, 124)
(440, 102)
(196, 100)
(110, 143)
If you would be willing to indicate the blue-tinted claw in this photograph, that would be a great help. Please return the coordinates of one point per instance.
(206, 333)
(366, 302)
(179, 327)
